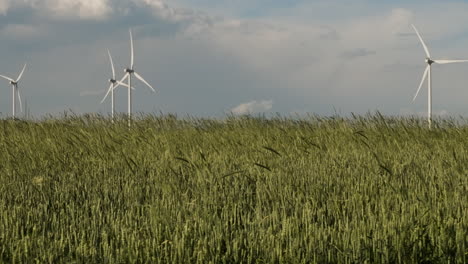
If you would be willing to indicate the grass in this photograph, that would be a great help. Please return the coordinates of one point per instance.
(367, 189)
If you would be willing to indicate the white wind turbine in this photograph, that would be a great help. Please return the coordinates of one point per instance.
(15, 90)
(427, 73)
(128, 74)
(113, 84)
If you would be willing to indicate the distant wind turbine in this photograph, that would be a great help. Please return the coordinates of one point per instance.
(15, 90)
(113, 84)
(128, 74)
(427, 73)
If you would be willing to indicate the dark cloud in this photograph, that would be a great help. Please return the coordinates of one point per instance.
(148, 20)
(204, 65)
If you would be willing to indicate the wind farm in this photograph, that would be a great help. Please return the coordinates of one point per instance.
(244, 188)
(114, 83)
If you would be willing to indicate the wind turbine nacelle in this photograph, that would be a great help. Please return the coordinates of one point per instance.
(112, 81)
(429, 61)
(13, 83)
(128, 70)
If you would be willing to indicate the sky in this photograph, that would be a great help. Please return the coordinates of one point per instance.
(210, 58)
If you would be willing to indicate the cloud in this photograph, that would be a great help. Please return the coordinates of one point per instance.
(47, 24)
(295, 58)
(22, 31)
(4, 5)
(83, 9)
(356, 53)
(97, 10)
(163, 10)
(252, 107)
(61, 9)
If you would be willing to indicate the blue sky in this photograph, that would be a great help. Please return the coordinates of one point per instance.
(209, 58)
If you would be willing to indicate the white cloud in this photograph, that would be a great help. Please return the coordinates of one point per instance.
(4, 5)
(96, 9)
(307, 57)
(63, 9)
(356, 53)
(252, 107)
(83, 9)
(161, 9)
(359, 61)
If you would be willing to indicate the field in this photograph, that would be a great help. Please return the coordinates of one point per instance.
(366, 189)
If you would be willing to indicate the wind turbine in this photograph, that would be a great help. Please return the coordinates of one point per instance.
(128, 74)
(15, 89)
(427, 73)
(113, 84)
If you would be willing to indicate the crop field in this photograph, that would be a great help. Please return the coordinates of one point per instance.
(365, 189)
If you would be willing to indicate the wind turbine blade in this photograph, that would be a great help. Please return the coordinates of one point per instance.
(7, 78)
(143, 80)
(449, 61)
(422, 81)
(124, 84)
(123, 78)
(21, 74)
(422, 41)
(112, 64)
(19, 98)
(131, 50)
(108, 91)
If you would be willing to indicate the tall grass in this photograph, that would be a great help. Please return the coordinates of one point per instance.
(367, 189)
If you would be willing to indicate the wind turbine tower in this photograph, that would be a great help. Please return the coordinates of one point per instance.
(15, 90)
(428, 73)
(128, 74)
(113, 84)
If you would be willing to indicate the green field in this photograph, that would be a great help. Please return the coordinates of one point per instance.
(367, 189)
